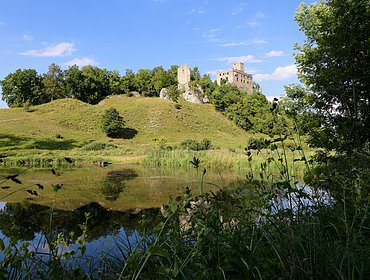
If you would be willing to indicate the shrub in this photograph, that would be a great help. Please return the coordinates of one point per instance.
(98, 146)
(194, 145)
(173, 93)
(178, 106)
(27, 106)
(205, 144)
(112, 123)
(258, 143)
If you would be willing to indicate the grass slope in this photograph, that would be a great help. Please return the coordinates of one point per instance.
(147, 121)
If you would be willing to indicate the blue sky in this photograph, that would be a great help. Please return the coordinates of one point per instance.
(135, 34)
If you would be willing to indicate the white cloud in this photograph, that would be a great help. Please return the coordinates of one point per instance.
(211, 35)
(280, 73)
(274, 54)
(81, 62)
(27, 37)
(60, 49)
(256, 19)
(257, 42)
(238, 10)
(259, 15)
(233, 44)
(198, 11)
(253, 23)
(245, 58)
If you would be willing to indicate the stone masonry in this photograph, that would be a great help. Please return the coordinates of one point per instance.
(191, 93)
(183, 75)
(237, 77)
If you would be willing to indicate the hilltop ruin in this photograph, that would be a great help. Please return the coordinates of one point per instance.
(237, 77)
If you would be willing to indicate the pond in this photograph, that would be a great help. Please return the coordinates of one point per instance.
(39, 203)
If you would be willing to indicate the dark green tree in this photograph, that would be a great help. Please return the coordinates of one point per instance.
(172, 74)
(115, 83)
(160, 79)
(96, 84)
(142, 82)
(297, 106)
(74, 82)
(54, 83)
(21, 86)
(112, 123)
(128, 81)
(333, 62)
(224, 96)
(195, 74)
(207, 85)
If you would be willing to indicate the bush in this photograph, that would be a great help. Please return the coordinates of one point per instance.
(98, 146)
(194, 145)
(27, 106)
(112, 123)
(258, 143)
(177, 106)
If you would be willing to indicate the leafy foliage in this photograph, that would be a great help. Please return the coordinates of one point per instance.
(194, 145)
(112, 123)
(258, 143)
(98, 146)
(333, 62)
(54, 82)
(21, 86)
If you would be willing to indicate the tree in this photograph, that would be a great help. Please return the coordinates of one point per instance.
(128, 82)
(54, 84)
(207, 85)
(96, 84)
(112, 123)
(160, 79)
(194, 74)
(297, 105)
(143, 84)
(21, 86)
(115, 82)
(224, 96)
(333, 62)
(74, 81)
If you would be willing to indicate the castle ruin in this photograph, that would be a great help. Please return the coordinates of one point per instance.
(183, 75)
(191, 93)
(236, 77)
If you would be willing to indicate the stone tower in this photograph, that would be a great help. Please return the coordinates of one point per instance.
(183, 75)
(237, 77)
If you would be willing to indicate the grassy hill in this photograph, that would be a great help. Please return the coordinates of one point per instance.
(68, 124)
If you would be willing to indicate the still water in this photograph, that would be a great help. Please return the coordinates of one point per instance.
(45, 202)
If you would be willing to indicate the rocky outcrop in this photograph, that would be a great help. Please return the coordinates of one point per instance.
(193, 94)
(163, 94)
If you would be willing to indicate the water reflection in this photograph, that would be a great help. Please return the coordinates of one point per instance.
(117, 187)
(114, 183)
(22, 221)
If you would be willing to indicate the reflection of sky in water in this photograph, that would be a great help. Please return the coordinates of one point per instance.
(305, 197)
(2, 205)
(111, 245)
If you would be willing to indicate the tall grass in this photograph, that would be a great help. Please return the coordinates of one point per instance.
(48, 161)
(226, 159)
(265, 227)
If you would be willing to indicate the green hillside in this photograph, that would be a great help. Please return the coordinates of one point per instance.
(68, 124)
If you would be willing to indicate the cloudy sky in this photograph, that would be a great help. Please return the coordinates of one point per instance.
(134, 34)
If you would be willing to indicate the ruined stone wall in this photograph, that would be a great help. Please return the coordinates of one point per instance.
(183, 75)
(237, 77)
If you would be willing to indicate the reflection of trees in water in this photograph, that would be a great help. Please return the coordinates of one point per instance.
(113, 184)
(22, 221)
